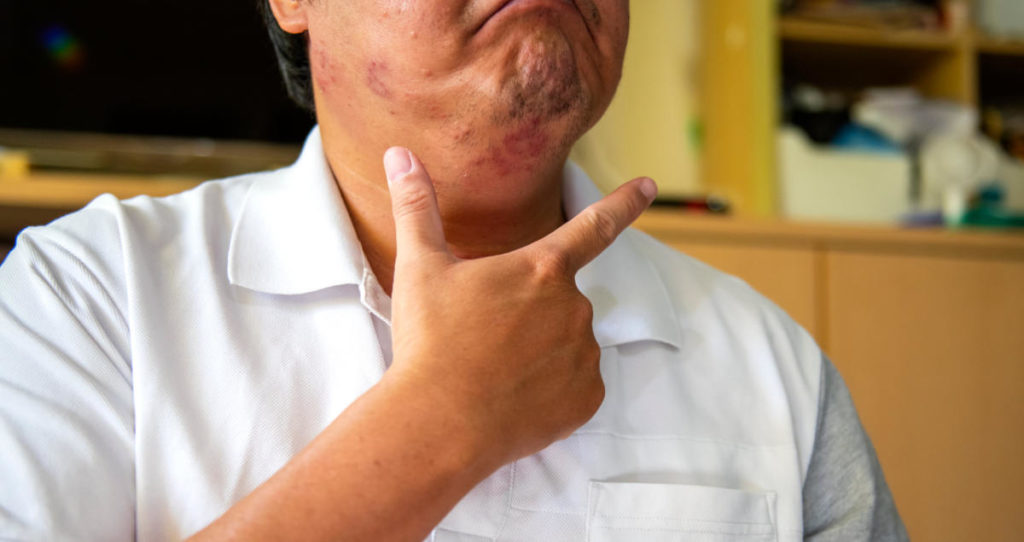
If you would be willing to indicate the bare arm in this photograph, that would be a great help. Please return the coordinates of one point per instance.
(495, 359)
(388, 468)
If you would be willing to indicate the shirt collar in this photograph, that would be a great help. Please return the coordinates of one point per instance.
(293, 236)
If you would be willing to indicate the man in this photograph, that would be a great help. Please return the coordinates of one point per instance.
(340, 351)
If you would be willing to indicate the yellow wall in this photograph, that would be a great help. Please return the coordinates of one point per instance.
(740, 77)
(648, 128)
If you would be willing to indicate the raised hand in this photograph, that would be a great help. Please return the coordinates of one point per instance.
(494, 358)
(504, 342)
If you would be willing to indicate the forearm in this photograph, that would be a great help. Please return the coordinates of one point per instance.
(390, 467)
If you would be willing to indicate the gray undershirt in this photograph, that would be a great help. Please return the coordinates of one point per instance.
(845, 495)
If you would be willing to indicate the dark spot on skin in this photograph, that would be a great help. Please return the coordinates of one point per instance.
(595, 15)
(519, 147)
(460, 136)
(527, 139)
(435, 111)
(324, 70)
(475, 166)
(588, 9)
(376, 73)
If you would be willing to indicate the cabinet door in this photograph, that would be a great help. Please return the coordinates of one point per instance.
(786, 275)
(932, 349)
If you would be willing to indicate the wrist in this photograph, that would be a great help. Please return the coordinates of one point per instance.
(459, 443)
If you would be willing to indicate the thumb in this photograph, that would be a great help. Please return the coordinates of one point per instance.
(418, 227)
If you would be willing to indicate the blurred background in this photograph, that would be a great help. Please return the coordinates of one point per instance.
(857, 161)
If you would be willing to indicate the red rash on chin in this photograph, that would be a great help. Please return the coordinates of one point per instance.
(519, 147)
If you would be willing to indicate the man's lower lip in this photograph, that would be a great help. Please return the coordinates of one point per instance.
(513, 7)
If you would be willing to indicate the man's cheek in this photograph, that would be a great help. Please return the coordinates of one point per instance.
(378, 75)
(326, 71)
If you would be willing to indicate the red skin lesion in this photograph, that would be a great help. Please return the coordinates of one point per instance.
(519, 147)
(376, 74)
(436, 111)
(325, 71)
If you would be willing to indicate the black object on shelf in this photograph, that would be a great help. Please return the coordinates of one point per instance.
(700, 205)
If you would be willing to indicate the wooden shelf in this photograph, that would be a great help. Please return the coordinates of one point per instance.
(41, 197)
(998, 46)
(803, 31)
(71, 191)
(798, 30)
(674, 226)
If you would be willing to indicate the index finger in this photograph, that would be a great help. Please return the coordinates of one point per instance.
(581, 239)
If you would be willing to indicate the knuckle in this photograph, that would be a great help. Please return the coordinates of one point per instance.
(593, 356)
(414, 198)
(602, 225)
(580, 318)
(551, 266)
(586, 310)
(594, 399)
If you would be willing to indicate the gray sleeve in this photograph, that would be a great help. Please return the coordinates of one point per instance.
(845, 494)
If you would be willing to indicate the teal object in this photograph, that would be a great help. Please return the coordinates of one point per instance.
(988, 211)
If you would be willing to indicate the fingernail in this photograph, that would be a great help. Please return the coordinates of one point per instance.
(649, 188)
(397, 162)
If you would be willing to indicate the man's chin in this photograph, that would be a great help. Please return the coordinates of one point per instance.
(544, 82)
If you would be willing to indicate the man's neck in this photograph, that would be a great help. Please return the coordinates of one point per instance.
(485, 209)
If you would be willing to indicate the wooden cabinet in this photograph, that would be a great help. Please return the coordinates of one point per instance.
(927, 328)
(932, 348)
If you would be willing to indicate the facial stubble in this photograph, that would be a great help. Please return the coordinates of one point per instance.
(546, 83)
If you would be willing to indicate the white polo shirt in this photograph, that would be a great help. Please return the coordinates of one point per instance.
(160, 358)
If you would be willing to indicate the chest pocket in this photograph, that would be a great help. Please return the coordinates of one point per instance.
(619, 512)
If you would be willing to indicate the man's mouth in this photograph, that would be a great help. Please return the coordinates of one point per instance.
(505, 8)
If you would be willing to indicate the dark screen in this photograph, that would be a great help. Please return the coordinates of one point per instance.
(188, 69)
